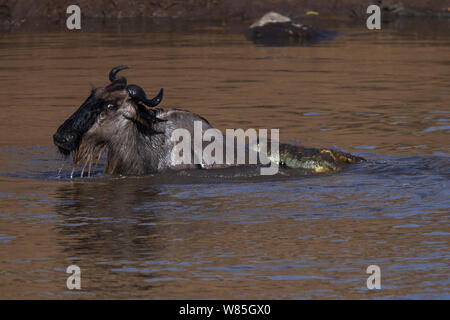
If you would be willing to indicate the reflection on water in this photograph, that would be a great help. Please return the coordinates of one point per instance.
(231, 234)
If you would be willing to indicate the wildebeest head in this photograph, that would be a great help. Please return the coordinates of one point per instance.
(102, 115)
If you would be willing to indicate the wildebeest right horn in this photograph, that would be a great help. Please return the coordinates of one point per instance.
(138, 94)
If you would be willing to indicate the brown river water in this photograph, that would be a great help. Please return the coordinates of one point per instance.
(383, 95)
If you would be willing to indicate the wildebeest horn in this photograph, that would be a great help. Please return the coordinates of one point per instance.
(113, 72)
(138, 94)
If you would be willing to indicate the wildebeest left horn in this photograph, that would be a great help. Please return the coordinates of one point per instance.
(138, 94)
(113, 72)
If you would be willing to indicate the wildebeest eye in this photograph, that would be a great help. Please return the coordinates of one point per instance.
(111, 106)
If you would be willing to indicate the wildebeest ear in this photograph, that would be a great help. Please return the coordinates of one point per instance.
(118, 84)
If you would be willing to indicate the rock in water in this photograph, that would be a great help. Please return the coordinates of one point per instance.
(274, 29)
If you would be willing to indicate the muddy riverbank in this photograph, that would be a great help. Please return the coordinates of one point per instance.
(17, 14)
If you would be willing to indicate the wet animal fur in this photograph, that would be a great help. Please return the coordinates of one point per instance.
(137, 139)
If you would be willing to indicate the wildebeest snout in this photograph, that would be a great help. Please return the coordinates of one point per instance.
(64, 141)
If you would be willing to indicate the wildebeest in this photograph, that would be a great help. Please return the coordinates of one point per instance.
(120, 120)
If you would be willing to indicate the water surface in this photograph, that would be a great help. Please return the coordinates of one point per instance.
(383, 95)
